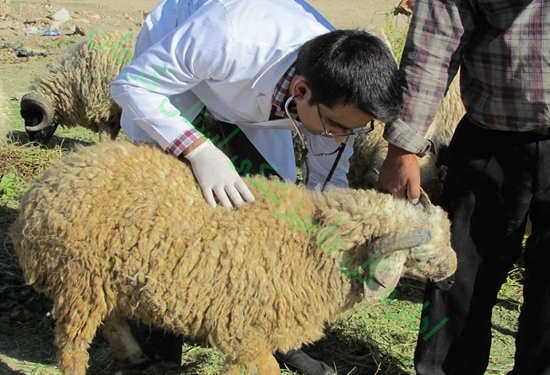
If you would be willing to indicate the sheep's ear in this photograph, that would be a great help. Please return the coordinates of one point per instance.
(398, 241)
(426, 202)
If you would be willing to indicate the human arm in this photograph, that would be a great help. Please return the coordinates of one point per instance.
(438, 34)
(151, 91)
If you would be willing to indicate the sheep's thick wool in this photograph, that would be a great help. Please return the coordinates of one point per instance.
(117, 230)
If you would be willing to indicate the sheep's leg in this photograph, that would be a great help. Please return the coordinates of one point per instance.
(74, 331)
(230, 368)
(267, 365)
(125, 348)
(114, 130)
(103, 134)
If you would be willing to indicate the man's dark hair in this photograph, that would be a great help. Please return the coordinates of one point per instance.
(352, 67)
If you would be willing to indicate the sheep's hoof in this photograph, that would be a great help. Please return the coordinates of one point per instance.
(139, 361)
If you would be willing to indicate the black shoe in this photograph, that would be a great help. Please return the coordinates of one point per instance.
(300, 362)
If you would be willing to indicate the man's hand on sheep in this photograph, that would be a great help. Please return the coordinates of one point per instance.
(400, 175)
(217, 175)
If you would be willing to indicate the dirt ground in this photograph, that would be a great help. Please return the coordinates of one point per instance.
(24, 49)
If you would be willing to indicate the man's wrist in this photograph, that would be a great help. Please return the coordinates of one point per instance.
(193, 146)
(402, 136)
(396, 151)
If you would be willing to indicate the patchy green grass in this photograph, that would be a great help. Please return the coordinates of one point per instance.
(375, 340)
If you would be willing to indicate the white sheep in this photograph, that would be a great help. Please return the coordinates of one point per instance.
(117, 230)
(4, 118)
(75, 89)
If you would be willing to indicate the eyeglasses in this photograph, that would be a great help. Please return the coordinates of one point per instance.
(360, 130)
(304, 152)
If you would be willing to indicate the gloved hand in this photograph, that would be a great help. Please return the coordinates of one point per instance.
(216, 174)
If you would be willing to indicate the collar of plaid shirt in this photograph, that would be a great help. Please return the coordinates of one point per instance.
(280, 94)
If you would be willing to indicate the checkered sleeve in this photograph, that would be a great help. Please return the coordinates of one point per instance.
(178, 145)
(438, 31)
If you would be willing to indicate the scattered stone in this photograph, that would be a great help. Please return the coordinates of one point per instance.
(61, 15)
(59, 18)
(76, 30)
(31, 30)
(5, 25)
(79, 30)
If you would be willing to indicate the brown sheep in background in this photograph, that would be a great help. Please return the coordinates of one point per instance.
(116, 230)
(74, 91)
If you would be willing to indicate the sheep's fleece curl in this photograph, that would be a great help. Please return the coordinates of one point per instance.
(117, 230)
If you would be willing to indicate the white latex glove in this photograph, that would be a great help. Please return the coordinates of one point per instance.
(216, 174)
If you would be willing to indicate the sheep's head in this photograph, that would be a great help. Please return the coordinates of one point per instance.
(435, 261)
(38, 115)
(420, 253)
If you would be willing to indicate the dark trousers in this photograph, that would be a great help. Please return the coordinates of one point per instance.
(495, 180)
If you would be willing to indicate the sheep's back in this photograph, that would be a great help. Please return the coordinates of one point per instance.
(95, 200)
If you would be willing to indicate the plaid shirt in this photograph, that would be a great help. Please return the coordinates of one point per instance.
(280, 94)
(183, 141)
(277, 111)
(504, 49)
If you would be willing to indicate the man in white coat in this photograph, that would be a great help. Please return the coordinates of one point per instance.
(262, 68)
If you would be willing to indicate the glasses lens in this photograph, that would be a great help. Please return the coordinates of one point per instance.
(362, 130)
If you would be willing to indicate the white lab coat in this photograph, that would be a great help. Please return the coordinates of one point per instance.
(229, 55)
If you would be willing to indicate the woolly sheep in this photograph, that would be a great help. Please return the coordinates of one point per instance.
(116, 230)
(75, 89)
(4, 118)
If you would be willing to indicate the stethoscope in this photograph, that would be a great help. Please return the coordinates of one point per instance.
(304, 152)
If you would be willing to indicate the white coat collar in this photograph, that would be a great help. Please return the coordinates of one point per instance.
(266, 82)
